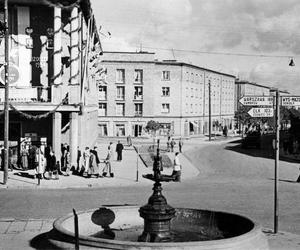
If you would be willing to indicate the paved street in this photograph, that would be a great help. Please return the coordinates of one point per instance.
(230, 180)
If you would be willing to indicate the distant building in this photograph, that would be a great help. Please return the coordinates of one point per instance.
(52, 85)
(246, 88)
(136, 88)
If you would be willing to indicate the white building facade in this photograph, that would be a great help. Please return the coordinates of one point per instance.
(137, 88)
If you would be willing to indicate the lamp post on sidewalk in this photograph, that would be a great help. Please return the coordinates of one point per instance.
(209, 110)
(6, 104)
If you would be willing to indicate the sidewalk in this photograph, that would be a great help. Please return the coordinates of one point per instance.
(127, 172)
(22, 234)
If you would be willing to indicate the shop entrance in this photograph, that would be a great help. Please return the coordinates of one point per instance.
(137, 130)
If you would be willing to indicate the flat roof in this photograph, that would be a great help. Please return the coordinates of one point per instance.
(163, 62)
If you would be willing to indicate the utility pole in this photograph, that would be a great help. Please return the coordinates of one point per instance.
(277, 124)
(209, 110)
(6, 104)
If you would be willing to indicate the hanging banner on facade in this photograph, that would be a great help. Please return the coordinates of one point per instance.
(261, 112)
(257, 100)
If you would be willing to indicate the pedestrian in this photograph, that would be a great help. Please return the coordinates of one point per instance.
(95, 152)
(107, 168)
(172, 144)
(119, 149)
(40, 164)
(93, 167)
(168, 145)
(180, 144)
(86, 160)
(176, 174)
(52, 167)
(66, 160)
(129, 141)
(32, 157)
(10, 157)
(24, 157)
(78, 167)
(225, 131)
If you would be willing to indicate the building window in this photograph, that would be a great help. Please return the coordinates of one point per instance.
(120, 109)
(120, 76)
(191, 108)
(138, 76)
(102, 111)
(138, 109)
(102, 129)
(166, 75)
(120, 93)
(120, 130)
(165, 91)
(186, 108)
(165, 108)
(187, 92)
(192, 92)
(102, 92)
(138, 93)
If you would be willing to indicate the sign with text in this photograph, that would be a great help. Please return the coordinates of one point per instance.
(290, 100)
(13, 74)
(261, 112)
(257, 100)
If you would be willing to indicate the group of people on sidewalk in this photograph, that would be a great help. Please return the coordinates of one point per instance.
(171, 144)
(43, 161)
(89, 163)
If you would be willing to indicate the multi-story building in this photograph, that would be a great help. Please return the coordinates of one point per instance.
(136, 88)
(51, 89)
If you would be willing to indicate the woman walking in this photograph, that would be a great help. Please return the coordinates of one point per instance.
(24, 157)
(40, 164)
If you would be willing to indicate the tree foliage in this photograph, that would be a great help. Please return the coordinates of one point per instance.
(152, 126)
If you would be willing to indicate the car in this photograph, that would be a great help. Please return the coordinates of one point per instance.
(252, 139)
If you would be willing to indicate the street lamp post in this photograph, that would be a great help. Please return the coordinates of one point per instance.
(209, 110)
(6, 104)
(277, 124)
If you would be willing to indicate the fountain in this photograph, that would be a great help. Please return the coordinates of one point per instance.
(157, 225)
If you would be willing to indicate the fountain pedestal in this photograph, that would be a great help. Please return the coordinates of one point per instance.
(157, 215)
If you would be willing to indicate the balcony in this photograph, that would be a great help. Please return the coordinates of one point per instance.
(138, 98)
(27, 95)
(138, 113)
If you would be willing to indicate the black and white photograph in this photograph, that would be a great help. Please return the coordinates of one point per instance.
(150, 124)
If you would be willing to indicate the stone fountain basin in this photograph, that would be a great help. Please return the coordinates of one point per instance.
(228, 231)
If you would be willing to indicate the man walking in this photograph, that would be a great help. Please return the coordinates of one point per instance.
(177, 168)
(180, 144)
(172, 144)
(119, 149)
(108, 169)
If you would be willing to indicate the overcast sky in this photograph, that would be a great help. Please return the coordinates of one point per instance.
(251, 39)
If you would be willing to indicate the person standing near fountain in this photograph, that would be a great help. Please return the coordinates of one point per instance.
(107, 167)
(177, 168)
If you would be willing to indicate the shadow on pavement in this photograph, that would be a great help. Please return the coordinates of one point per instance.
(266, 151)
(43, 241)
(282, 180)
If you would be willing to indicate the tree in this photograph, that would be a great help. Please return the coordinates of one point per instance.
(152, 126)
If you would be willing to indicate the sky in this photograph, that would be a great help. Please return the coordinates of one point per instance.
(253, 40)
